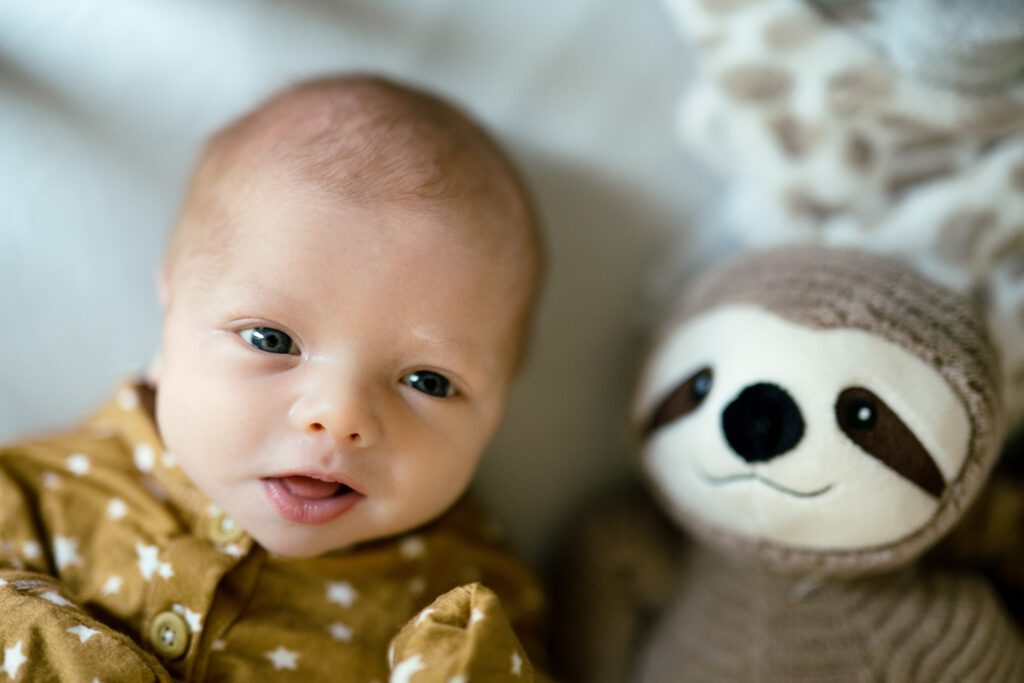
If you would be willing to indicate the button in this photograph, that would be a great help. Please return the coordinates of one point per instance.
(169, 635)
(225, 530)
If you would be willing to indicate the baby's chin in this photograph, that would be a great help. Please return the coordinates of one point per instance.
(297, 546)
(309, 541)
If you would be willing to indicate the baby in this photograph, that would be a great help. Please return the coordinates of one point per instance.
(346, 297)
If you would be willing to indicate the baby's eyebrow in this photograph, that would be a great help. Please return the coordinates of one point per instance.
(250, 292)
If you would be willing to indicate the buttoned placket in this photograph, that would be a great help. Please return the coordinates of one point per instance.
(182, 614)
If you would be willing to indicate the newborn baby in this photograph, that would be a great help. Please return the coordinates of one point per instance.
(346, 298)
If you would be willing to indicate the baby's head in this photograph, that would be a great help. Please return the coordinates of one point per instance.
(347, 295)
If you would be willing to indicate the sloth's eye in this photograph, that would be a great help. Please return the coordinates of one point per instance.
(880, 433)
(684, 399)
(860, 414)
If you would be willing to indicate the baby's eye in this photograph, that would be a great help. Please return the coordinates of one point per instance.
(429, 383)
(270, 340)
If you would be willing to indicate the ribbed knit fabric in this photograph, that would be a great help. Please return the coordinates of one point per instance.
(733, 622)
(828, 288)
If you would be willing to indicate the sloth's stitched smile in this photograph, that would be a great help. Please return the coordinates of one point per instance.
(745, 476)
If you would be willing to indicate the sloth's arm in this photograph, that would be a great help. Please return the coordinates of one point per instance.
(618, 570)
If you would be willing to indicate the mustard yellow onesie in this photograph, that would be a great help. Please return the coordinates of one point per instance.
(114, 567)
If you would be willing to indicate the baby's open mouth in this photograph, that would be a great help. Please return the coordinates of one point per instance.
(308, 499)
(314, 489)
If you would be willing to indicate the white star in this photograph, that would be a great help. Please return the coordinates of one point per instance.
(144, 457)
(194, 619)
(517, 664)
(30, 549)
(232, 549)
(112, 585)
(148, 561)
(83, 632)
(406, 668)
(65, 552)
(283, 658)
(78, 464)
(412, 547)
(341, 593)
(475, 616)
(57, 599)
(341, 632)
(51, 480)
(13, 659)
(116, 508)
(424, 615)
(127, 399)
(165, 571)
(3, 582)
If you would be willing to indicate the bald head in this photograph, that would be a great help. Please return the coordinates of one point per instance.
(359, 141)
(362, 139)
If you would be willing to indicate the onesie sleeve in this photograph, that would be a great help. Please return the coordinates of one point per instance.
(464, 635)
(44, 635)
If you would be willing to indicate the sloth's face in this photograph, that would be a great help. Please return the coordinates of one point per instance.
(813, 439)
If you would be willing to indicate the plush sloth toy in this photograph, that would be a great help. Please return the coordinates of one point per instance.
(816, 419)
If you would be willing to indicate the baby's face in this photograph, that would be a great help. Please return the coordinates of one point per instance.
(335, 377)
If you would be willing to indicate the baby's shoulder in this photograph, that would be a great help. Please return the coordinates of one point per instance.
(66, 470)
(73, 452)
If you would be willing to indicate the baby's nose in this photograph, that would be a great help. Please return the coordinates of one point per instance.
(355, 438)
(346, 413)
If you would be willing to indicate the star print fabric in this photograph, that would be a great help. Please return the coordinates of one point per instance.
(114, 567)
(445, 642)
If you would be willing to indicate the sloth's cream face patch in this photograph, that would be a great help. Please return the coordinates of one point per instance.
(871, 433)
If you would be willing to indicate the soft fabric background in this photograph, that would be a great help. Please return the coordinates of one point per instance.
(103, 104)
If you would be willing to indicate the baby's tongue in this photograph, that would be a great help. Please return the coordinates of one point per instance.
(306, 487)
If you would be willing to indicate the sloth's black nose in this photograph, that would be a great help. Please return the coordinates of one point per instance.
(762, 423)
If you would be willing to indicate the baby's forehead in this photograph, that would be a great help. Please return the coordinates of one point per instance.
(279, 218)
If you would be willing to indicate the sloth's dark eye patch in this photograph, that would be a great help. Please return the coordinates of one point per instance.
(683, 400)
(880, 433)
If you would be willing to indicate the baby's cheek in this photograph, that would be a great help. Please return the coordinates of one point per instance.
(423, 492)
(195, 422)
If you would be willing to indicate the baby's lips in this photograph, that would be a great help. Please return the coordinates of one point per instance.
(309, 500)
(315, 484)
